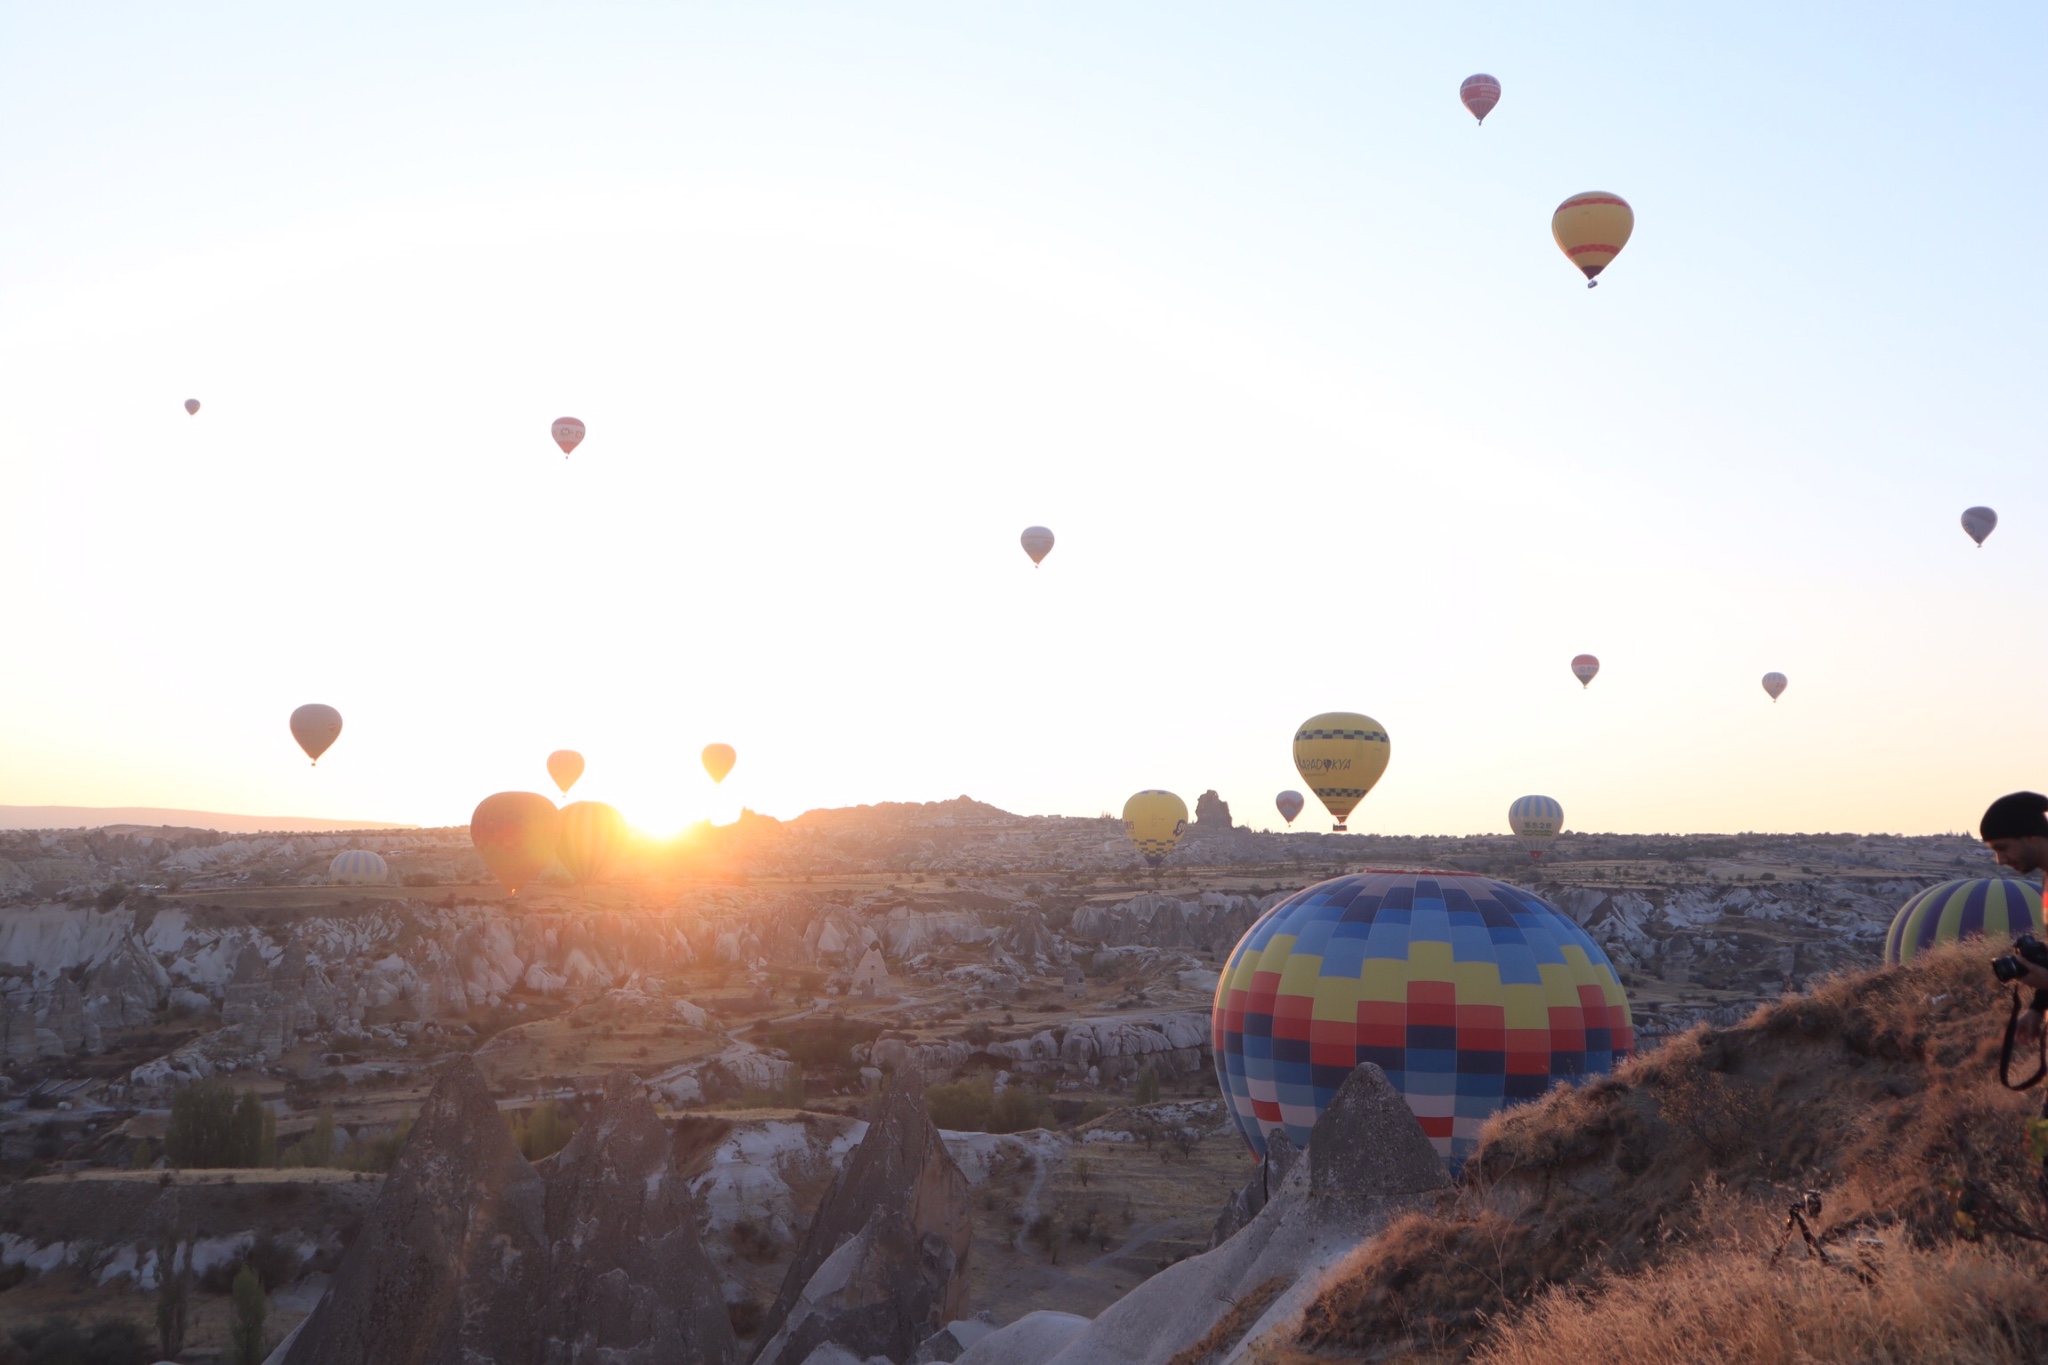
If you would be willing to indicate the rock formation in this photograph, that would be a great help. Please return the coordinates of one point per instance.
(1366, 1161)
(1212, 812)
(472, 1257)
(884, 1264)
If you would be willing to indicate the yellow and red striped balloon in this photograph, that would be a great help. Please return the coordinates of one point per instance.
(1591, 229)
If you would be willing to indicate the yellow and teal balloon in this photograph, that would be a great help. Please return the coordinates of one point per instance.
(1536, 820)
(1591, 229)
(591, 835)
(1991, 908)
(1341, 754)
(1154, 821)
(357, 867)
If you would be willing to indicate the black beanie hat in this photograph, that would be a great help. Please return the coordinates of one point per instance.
(2018, 816)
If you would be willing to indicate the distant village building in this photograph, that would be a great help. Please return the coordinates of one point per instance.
(871, 977)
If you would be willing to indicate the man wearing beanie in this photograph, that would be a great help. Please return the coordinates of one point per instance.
(2016, 827)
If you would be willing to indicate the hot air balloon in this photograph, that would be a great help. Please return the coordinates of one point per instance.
(1037, 543)
(565, 766)
(1991, 908)
(1480, 93)
(1289, 804)
(1774, 683)
(1340, 754)
(1472, 995)
(1155, 820)
(191, 407)
(718, 760)
(568, 434)
(1591, 229)
(357, 867)
(316, 727)
(1585, 668)
(1979, 522)
(591, 833)
(515, 833)
(1536, 820)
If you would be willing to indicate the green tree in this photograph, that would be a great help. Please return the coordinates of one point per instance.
(543, 1131)
(1148, 1085)
(172, 1296)
(251, 1308)
(202, 1127)
(247, 1143)
(318, 1147)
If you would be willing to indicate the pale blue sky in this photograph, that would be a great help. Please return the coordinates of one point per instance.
(1234, 298)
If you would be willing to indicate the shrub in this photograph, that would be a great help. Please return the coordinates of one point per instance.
(211, 1126)
(973, 1106)
(379, 1153)
(542, 1131)
(251, 1308)
(1148, 1085)
(58, 1340)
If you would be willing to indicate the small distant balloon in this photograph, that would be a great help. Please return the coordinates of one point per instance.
(191, 406)
(1585, 668)
(1341, 754)
(516, 834)
(1536, 820)
(1774, 683)
(357, 867)
(718, 760)
(1979, 522)
(591, 833)
(316, 727)
(1289, 804)
(1480, 93)
(1037, 543)
(565, 766)
(1591, 229)
(568, 433)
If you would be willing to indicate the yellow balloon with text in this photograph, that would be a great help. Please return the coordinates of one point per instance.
(1155, 820)
(1340, 755)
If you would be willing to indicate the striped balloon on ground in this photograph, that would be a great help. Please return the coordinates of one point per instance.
(1470, 994)
(1990, 908)
(357, 867)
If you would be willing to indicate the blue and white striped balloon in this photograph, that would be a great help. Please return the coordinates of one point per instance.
(1536, 820)
(357, 867)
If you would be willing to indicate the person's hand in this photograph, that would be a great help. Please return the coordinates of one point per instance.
(2028, 1032)
(2032, 974)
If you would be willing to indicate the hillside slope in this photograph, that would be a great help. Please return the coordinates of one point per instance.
(1634, 1218)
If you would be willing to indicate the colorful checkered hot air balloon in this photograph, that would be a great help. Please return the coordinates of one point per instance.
(1990, 908)
(1470, 994)
(1154, 820)
(1341, 755)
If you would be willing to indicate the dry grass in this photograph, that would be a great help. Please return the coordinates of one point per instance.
(1878, 1089)
(1231, 1327)
(1959, 1304)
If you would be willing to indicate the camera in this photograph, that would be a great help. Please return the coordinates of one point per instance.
(2009, 966)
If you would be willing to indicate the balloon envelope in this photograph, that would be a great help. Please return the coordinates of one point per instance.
(1155, 820)
(1479, 94)
(1472, 995)
(1289, 804)
(1536, 820)
(718, 760)
(515, 833)
(1592, 228)
(591, 834)
(1341, 754)
(1979, 522)
(565, 766)
(1037, 543)
(1774, 683)
(1585, 667)
(316, 727)
(191, 406)
(568, 433)
(1994, 909)
(357, 867)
